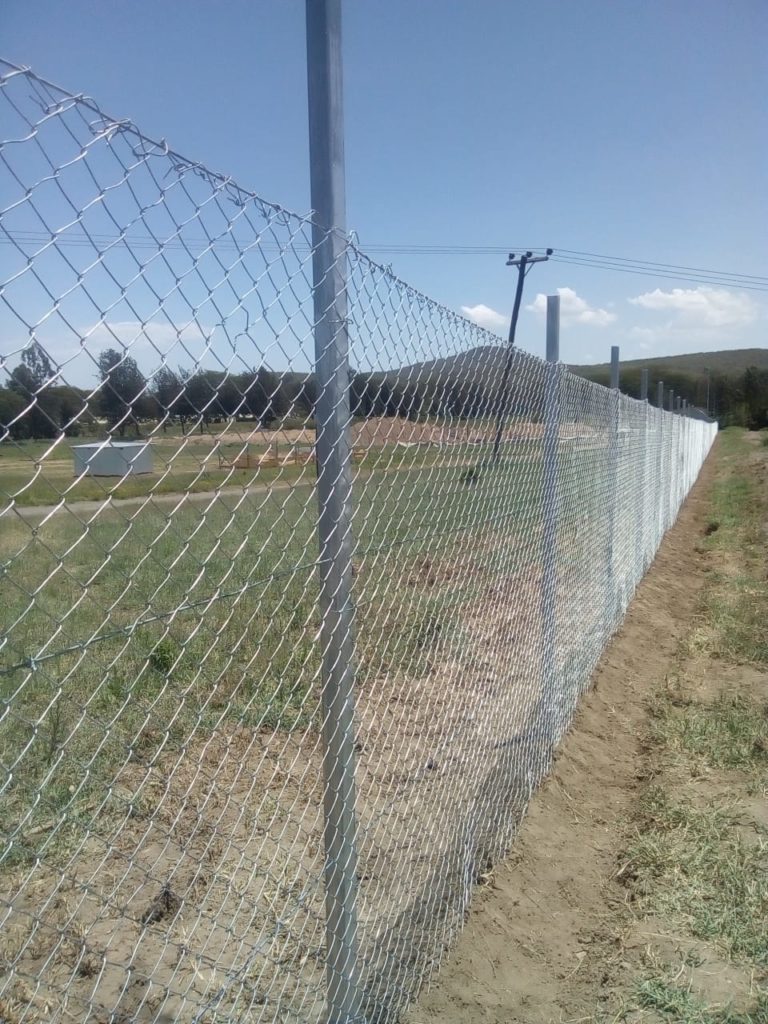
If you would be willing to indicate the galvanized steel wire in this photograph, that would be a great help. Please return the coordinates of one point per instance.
(161, 794)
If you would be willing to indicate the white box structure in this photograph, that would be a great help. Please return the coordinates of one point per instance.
(118, 458)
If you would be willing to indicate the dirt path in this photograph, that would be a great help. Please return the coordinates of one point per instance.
(544, 942)
(36, 513)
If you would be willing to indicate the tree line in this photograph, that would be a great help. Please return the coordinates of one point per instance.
(733, 399)
(34, 405)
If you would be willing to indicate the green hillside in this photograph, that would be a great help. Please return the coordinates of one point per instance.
(727, 363)
(732, 384)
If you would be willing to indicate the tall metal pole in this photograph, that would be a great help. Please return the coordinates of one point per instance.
(614, 367)
(334, 492)
(709, 375)
(613, 490)
(643, 496)
(660, 437)
(551, 697)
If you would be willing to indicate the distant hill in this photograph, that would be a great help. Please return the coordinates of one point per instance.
(727, 363)
(485, 363)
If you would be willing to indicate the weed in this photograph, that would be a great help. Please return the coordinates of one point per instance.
(731, 732)
(54, 731)
(695, 866)
(164, 656)
(675, 1003)
(735, 607)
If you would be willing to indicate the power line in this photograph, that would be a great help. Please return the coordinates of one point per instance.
(573, 257)
(656, 263)
(637, 271)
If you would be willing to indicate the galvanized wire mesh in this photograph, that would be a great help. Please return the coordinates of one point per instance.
(161, 795)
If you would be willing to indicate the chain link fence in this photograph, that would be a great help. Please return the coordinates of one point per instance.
(163, 654)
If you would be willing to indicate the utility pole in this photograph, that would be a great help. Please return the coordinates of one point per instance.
(523, 264)
(709, 375)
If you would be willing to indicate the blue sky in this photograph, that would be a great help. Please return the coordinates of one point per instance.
(626, 128)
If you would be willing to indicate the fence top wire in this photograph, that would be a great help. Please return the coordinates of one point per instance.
(162, 727)
(107, 126)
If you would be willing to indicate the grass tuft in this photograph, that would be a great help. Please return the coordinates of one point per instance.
(675, 1003)
(731, 732)
(696, 866)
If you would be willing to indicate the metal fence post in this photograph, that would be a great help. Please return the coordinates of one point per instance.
(660, 495)
(642, 517)
(613, 490)
(334, 492)
(671, 460)
(678, 452)
(551, 697)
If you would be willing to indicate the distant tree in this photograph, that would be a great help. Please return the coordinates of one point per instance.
(32, 380)
(167, 389)
(36, 360)
(231, 400)
(12, 422)
(201, 392)
(264, 397)
(755, 391)
(123, 394)
(73, 409)
(362, 395)
(300, 395)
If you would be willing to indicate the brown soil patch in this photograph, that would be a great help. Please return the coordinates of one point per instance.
(378, 431)
(547, 942)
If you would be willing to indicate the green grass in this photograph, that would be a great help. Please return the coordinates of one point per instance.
(132, 640)
(731, 732)
(676, 1003)
(736, 597)
(695, 867)
(33, 473)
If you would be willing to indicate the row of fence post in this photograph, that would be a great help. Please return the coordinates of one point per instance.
(344, 990)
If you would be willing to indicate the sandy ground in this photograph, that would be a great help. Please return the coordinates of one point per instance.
(548, 941)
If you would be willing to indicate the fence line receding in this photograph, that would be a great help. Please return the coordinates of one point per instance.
(161, 663)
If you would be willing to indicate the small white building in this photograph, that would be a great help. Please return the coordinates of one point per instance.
(115, 458)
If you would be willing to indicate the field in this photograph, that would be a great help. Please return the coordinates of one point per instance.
(161, 736)
(162, 732)
(35, 473)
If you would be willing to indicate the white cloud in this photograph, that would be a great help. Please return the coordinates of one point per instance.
(701, 307)
(574, 309)
(154, 337)
(485, 317)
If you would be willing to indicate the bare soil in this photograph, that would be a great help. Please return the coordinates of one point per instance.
(552, 939)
